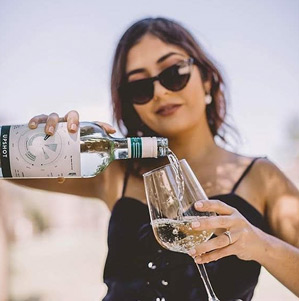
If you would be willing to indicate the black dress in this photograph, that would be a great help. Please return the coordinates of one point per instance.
(138, 268)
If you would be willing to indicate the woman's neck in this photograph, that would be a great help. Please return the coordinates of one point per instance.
(196, 145)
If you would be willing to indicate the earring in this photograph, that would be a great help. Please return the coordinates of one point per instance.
(208, 99)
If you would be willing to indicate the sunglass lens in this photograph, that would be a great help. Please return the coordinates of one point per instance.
(175, 78)
(140, 91)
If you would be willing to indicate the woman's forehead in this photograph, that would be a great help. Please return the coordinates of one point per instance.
(148, 51)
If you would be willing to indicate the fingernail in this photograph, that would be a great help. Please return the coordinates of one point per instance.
(198, 204)
(192, 252)
(51, 130)
(32, 124)
(73, 127)
(195, 224)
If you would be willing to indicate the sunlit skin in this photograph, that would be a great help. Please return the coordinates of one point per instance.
(266, 188)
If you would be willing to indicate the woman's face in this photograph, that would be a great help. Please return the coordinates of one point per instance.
(167, 113)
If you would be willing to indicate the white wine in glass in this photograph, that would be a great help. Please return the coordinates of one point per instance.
(171, 192)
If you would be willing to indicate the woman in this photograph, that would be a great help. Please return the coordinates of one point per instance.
(164, 84)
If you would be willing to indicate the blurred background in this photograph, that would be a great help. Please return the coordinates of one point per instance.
(56, 56)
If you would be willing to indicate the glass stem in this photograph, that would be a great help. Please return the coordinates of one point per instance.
(204, 276)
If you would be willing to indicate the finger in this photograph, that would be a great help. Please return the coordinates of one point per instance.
(213, 222)
(214, 206)
(108, 128)
(72, 119)
(34, 121)
(218, 242)
(52, 121)
(214, 255)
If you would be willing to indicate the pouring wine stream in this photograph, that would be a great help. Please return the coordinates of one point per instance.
(175, 164)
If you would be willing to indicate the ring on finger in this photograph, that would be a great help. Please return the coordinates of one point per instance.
(228, 234)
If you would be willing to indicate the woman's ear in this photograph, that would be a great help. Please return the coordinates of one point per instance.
(207, 86)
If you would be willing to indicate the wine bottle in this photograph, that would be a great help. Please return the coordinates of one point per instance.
(31, 153)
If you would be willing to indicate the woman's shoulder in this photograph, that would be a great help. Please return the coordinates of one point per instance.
(275, 180)
(259, 170)
(241, 162)
(261, 164)
(268, 177)
(264, 169)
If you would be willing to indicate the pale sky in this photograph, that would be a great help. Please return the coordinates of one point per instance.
(56, 56)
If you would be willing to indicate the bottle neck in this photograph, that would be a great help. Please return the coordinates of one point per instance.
(140, 147)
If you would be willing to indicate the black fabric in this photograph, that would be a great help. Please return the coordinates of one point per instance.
(138, 268)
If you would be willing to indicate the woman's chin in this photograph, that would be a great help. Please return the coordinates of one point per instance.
(171, 131)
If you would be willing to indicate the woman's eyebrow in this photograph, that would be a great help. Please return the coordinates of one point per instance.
(135, 71)
(166, 56)
(160, 60)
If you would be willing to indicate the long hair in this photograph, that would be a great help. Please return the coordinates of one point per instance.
(173, 33)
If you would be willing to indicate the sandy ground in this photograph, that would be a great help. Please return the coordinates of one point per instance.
(68, 266)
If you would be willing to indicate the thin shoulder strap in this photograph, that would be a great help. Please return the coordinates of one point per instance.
(246, 171)
(127, 174)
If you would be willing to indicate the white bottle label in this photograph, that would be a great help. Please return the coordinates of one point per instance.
(149, 147)
(142, 147)
(33, 154)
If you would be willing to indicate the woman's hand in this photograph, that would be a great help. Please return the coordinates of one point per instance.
(243, 239)
(72, 119)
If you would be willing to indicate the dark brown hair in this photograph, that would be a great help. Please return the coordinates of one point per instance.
(173, 33)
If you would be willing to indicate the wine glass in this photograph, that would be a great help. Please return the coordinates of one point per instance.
(171, 207)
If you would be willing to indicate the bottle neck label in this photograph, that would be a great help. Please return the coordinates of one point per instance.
(145, 147)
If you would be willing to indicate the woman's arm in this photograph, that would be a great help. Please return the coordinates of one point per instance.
(106, 186)
(99, 186)
(80, 187)
(281, 259)
(279, 254)
(282, 204)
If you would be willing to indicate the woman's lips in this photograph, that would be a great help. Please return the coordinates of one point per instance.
(168, 110)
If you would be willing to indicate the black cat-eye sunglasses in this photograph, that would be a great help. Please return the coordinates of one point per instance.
(173, 78)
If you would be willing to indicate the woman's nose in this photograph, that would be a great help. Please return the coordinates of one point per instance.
(159, 90)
